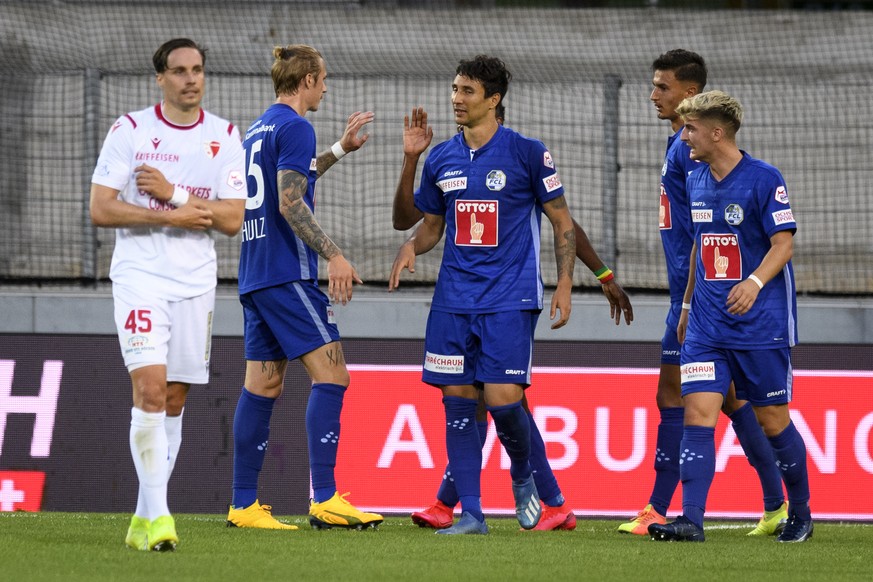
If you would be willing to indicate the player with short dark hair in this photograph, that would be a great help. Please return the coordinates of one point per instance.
(286, 315)
(166, 177)
(557, 515)
(678, 74)
(742, 321)
(487, 188)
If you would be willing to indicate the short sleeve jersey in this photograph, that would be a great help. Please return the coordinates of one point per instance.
(491, 199)
(674, 215)
(271, 253)
(733, 222)
(206, 159)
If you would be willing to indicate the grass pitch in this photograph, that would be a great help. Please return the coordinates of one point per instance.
(90, 546)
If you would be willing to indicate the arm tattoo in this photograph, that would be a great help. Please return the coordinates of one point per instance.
(565, 242)
(292, 188)
(324, 162)
(565, 253)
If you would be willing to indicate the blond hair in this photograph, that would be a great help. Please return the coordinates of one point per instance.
(292, 64)
(713, 105)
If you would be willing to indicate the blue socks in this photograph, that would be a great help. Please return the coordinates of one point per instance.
(547, 485)
(790, 451)
(251, 430)
(667, 458)
(447, 493)
(513, 429)
(697, 469)
(322, 432)
(760, 455)
(465, 452)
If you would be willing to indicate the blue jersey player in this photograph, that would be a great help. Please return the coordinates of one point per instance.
(286, 315)
(678, 74)
(487, 188)
(743, 317)
(557, 514)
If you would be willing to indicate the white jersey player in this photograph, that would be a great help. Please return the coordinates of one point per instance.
(166, 177)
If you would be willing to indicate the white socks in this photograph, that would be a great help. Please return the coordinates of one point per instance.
(149, 449)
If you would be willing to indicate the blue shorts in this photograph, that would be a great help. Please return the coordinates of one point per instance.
(287, 321)
(478, 348)
(671, 349)
(763, 377)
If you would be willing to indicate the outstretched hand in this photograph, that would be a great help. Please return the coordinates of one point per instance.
(351, 141)
(417, 135)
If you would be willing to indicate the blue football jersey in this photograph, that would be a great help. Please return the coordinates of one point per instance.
(674, 214)
(491, 199)
(271, 254)
(733, 222)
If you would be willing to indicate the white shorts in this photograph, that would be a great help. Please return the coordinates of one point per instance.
(175, 334)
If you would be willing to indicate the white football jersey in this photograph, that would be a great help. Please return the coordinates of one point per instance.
(206, 159)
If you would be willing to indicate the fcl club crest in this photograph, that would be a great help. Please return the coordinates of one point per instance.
(496, 180)
(733, 214)
(211, 148)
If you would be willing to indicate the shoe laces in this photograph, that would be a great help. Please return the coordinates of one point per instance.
(646, 515)
(268, 509)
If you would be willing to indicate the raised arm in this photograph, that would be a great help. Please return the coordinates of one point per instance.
(416, 139)
(349, 142)
(341, 274)
(565, 257)
(619, 302)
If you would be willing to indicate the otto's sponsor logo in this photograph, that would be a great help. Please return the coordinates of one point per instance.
(495, 181)
(722, 260)
(313, 165)
(720, 240)
(452, 184)
(733, 214)
(552, 182)
(489, 206)
(665, 220)
(211, 148)
(476, 223)
(781, 195)
(698, 371)
(443, 364)
(235, 180)
(777, 393)
(783, 217)
(548, 161)
(704, 215)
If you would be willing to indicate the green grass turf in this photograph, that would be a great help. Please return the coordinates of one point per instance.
(80, 546)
